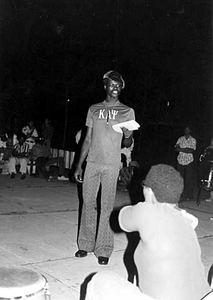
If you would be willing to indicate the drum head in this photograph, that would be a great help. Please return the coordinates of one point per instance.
(17, 282)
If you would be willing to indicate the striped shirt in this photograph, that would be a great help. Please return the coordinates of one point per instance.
(24, 148)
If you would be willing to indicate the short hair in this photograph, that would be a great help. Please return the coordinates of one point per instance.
(165, 182)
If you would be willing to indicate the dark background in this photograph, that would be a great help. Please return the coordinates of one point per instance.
(55, 50)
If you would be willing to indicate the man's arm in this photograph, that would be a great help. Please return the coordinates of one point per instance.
(84, 151)
(25, 153)
(132, 217)
(24, 130)
(185, 150)
(21, 154)
(34, 133)
(190, 149)
(139, 218)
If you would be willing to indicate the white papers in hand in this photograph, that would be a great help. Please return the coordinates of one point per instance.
(130, 125)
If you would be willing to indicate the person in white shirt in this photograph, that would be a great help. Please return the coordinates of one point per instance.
(168, 255)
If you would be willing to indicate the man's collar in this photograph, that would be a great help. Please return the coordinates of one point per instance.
(111, 104)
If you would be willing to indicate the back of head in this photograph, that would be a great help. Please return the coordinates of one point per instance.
(114, 75)
(166, 183)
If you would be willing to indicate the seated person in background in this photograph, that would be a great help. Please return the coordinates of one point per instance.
(168, 256)
(31, 134)
(7, 153)
(3, 141)
(20, 156)
(128, 153)
(41, 154)
(126, 173)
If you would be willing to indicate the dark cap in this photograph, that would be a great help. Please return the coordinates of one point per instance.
(166, 183)
(113, 75)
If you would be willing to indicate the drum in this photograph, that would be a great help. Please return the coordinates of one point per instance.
(206, 178)
(206, 168)
(207, 156)
(22, 283)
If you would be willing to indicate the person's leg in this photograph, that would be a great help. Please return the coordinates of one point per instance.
(12, 165)
(189, 181)
(23, 165)
(60, 162)
(181, 170)
(61, 166)
(110, 286)
(87, 233)
(41, 165)
(105, 237)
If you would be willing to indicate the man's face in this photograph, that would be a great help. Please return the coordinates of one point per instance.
(187, 131)
(47, 122)
(9, 142)
(31, 124)
(113, 88)
(21, 141)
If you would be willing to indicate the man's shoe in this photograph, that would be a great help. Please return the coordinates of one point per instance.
(23, 176)
(12, 175)
(50, 179)
(81, 253)
(63, 178)
(103, 260)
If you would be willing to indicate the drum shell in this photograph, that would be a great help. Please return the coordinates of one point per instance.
(206, 174)
(207, 156)
(22, 283)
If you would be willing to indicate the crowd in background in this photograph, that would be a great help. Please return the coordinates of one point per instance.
(16, 149)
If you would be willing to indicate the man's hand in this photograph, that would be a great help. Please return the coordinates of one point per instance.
(127, 133)
(78, 175)
(128, 140)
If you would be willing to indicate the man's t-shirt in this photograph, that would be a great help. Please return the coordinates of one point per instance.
(21, 149)
(186, 158)
(106, 143)
(168, 256)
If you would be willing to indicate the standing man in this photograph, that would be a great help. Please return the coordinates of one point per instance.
(185, 146)
(102, 147)
(47, 131)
